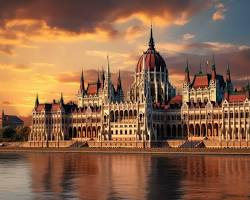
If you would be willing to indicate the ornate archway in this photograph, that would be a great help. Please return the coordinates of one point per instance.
(203, 130)
(174, 131)
(191, 130)
(209, 130)
(179, 132)
(197, 130)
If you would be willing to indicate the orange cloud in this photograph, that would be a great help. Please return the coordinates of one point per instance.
(219, 14)
(6, 103)
(15, 67)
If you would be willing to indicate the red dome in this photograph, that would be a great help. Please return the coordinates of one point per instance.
(152, 58)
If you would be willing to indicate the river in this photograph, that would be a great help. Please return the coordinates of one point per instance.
(119, 176)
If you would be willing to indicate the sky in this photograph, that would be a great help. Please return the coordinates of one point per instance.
(45, 44)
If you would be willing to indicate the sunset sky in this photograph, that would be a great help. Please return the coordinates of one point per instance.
(44, 44)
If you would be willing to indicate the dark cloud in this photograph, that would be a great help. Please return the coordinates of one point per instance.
(237, 60)
(86, 16)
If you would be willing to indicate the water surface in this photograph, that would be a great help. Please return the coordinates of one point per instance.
(118, 176)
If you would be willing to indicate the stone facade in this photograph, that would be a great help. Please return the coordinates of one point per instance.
(209, 111)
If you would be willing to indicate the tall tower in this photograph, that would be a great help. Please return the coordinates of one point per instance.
(82, 88)
(186, 85)
(229, 85)
(107, 88)
(120, 95)
(37, 101)
(151, 43)
(61, 100)
(152, 68)
(213, 70)
(81, 91)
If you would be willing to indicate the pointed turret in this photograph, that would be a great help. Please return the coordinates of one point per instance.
(98, 80)
(119, 88)
(213, 70)
(37, 101)
(108, 86)
(108, 67)
(61, 100)
(103, 77)
(187, 77)
(151, 43)
(229, 85)
(82, 88)
(228, 78)
(119, 81)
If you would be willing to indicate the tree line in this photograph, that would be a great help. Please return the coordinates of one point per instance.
(12, 135)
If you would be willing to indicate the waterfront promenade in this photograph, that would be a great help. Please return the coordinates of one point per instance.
(198, 151)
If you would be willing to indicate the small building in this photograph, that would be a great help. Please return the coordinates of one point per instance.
(11, 121)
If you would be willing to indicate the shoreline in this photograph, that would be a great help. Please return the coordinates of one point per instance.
(160, 151)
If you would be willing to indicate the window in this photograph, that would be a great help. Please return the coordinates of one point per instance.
(236, 115)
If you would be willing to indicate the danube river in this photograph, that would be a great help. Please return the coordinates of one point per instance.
(118, 176)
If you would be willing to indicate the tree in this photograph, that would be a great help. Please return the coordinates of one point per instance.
(8, 132)
(22, 133)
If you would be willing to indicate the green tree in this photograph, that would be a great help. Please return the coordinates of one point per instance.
(8, 133)
(22, 133)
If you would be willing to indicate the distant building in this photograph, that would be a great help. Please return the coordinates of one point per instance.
(209, 110)
(11, 121)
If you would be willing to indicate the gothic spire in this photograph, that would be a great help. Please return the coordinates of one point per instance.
(228, 74)
(213, 65)
(82, 83)
(61, 99)
(213, 69)
(98, 78)
(119, 80)
(37, 101)
(151, 42)
(187, 77)
(108, 68)
(103, 77)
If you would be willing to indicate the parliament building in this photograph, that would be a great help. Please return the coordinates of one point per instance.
(208, 113)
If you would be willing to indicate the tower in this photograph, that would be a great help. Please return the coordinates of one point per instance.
(119, 89)
(151, 43)
(82, 88)
(81, 91)
(229, 85)
(186, 85)
(61, 100)
(187, 77)
(37, 101)
(152, 70)
(213, 70)
(107, 88)
(98, 81)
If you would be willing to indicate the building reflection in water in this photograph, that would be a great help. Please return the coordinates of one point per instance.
(119, 176)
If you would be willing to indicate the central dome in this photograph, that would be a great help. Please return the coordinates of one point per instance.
(152, 59)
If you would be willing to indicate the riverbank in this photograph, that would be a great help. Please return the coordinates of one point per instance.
(194, 151)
